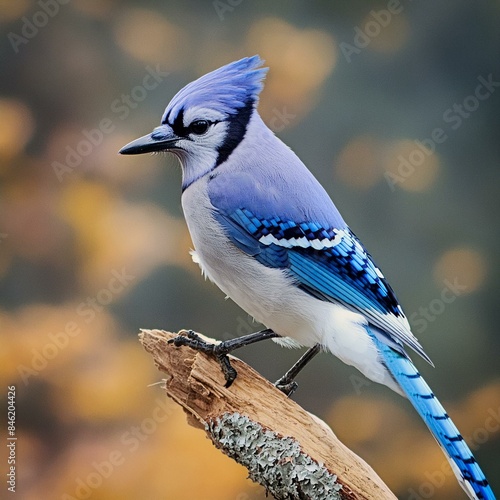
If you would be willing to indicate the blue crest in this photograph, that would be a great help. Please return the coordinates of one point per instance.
(226, 89)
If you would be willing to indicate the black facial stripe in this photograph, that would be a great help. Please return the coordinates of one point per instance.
(165, 121)
(178, 126)
(236, 130)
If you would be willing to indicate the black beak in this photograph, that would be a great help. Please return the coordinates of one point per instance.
(158, 140)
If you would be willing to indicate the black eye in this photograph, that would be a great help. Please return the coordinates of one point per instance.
(199, 127)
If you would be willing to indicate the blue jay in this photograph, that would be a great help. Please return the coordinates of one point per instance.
(267, 233)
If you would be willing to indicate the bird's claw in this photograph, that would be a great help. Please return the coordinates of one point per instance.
(287, 388)
(229, 372)
(191, 339)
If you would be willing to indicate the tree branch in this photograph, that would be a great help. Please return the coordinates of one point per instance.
(289, 451)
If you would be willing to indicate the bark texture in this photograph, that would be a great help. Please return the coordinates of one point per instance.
(289, 451)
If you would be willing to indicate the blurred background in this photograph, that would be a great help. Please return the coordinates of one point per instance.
(395, 108)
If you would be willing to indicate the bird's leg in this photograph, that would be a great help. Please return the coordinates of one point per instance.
(286, 383)
(222, 349)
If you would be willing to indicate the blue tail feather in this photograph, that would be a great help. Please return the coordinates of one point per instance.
(464, 465)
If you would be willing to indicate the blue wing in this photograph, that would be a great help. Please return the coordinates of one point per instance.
(328, 263)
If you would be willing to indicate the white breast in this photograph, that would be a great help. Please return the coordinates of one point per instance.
(266, 294)
(270, 297)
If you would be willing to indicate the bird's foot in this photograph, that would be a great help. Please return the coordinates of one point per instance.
(219, 351)
(285, 386)
(286, 383)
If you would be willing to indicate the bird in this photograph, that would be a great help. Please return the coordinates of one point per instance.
(267, 233)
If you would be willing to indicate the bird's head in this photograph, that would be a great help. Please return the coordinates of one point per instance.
(207, 119)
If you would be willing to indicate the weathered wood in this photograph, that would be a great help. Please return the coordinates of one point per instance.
(291, 452)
